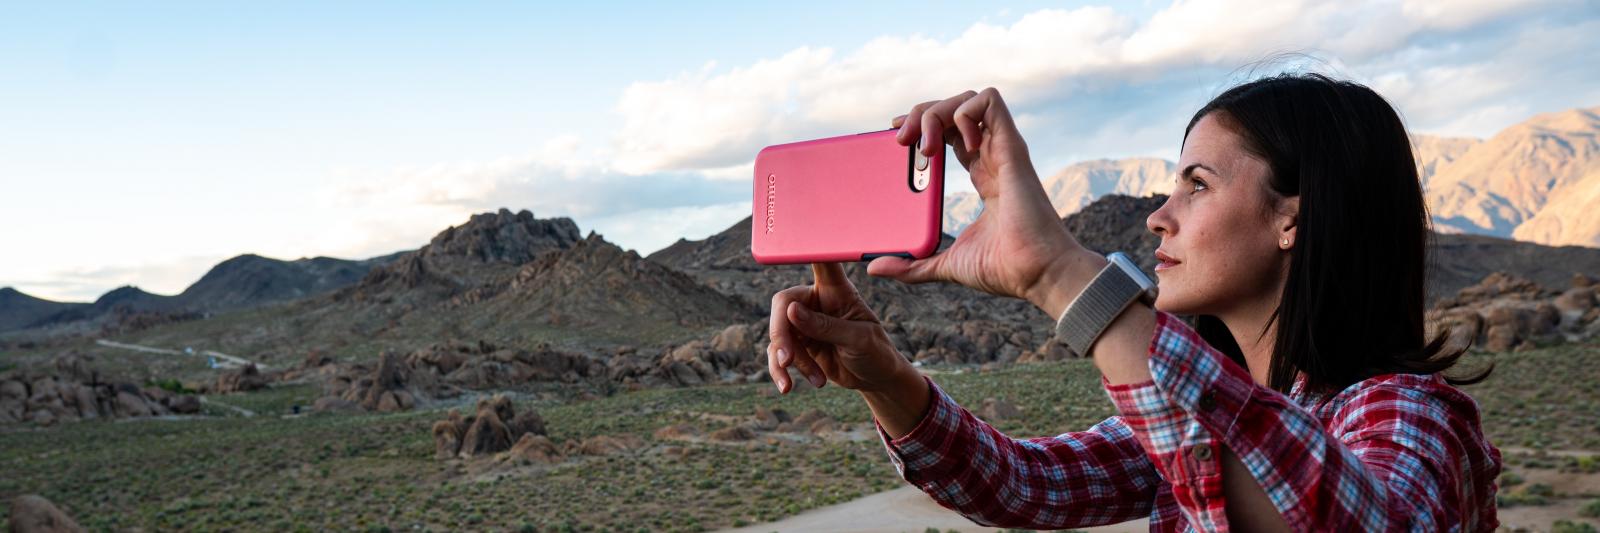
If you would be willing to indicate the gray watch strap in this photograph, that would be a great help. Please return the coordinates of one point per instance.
(1100, 302)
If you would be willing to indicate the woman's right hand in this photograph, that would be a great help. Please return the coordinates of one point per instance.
(1017, 246)
(827, 332)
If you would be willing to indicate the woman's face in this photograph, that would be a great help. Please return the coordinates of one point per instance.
(1223, 229)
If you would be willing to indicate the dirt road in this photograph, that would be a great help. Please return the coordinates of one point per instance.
(902, 509)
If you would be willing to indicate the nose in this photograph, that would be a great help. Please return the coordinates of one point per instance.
(1160, 222)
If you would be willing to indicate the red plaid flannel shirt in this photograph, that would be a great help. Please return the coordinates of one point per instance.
(1394, 452)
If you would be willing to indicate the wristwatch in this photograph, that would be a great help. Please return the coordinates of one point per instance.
(1117, 285)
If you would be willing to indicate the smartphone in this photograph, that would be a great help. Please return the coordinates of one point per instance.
(848, 198)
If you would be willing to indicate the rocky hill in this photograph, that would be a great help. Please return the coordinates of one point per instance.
(243, 282)
(19, 310)
(1457, 261)
(723, 262)
(1076, 186)
(1500, 186)
(250, 280)
(1535, 181)
(507, 278)
(1434, 153)
(931, 321)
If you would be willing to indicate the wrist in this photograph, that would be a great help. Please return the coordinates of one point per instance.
(1062, 280)
(901, 405)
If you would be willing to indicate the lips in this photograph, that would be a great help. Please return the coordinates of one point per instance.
(1166, 261)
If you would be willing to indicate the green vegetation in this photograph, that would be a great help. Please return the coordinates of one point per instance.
(1591, 509)
(1568, 526)
(375, 472)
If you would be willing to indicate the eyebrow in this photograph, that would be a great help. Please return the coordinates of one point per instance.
(1188, 171)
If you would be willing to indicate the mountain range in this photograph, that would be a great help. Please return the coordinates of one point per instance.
(241, 282)
(513, 279)
(1536, 181)
(1076, 186)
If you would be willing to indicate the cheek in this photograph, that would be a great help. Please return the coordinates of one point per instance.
(1223, 264)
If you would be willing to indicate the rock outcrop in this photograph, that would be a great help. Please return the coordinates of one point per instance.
(31, 513)
(76, 393)
(1505, 312)
(244, 379)
(387, 387)
(494, 427)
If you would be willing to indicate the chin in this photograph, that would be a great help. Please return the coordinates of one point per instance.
(1171, 300)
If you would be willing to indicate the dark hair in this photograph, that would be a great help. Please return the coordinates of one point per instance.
(1353, 304)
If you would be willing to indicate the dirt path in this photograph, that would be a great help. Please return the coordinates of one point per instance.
(902, 509)
(242, 411)
(223, 360)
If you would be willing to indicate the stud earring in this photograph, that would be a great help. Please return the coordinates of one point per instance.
(1285, 242)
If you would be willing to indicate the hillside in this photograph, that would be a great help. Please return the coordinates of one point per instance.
(1498, 185)
(242, 282)
(507, 278)
(1456, 261)
(1076, 186)
(19, 310)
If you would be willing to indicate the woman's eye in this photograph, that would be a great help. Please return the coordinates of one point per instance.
(1198, 185)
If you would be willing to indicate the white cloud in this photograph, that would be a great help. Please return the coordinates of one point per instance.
(1086, 83)
(403, 209)
(719, 118)
(649, 230)
(167, 277)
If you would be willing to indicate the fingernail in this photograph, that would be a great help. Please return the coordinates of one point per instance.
(802, 313)
(783, 357)
(817, 380)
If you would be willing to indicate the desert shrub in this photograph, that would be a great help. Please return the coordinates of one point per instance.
(170, 385)
(1568, 526)
(1591, 509)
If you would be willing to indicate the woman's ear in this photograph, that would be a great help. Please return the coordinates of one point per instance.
(1287, 221)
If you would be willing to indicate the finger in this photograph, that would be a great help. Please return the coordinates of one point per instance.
(808, 367)
(906, 270)
(938, 117)
(911, 126)
(897, 121)
(996, 111)
(827, 328)
(781, 332)
(968, 118)
(963, 155)
(775, 369)
(831, 275)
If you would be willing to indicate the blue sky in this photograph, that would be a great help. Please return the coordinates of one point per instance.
(144, 144)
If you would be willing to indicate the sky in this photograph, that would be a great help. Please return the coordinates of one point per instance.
(141, 145)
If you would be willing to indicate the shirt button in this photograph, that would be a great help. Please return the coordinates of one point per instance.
(1202, 452)
(1207, 401)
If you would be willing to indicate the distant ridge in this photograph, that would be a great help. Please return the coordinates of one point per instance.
(241, 282)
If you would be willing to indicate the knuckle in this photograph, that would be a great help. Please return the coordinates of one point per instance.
(824, 325)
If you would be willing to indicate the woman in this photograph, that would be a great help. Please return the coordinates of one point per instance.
(1308, 399)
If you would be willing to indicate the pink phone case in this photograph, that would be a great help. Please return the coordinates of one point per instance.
(846, 198)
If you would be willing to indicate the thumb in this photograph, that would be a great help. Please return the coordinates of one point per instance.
(905, 270)
(826, 328)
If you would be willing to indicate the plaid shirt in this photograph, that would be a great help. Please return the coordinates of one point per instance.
(1393, 452)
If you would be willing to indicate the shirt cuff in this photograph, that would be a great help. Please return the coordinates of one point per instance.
(921, 453)
(1196, 377)
(1146, 410)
